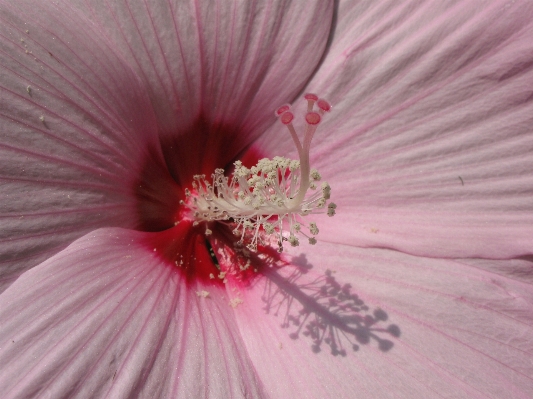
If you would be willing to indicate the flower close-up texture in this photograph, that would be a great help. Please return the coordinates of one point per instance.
(166, 229)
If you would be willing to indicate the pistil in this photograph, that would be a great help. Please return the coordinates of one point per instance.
(265, 204)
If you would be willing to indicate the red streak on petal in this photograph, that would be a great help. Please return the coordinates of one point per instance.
(183, 248)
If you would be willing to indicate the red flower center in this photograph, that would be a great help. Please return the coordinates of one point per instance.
(198, 149)
(216, 215)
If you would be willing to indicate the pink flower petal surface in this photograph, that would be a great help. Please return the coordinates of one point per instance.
(381, 324)
(428, 147)
(107, 318)
(75, 128)
(215, 72)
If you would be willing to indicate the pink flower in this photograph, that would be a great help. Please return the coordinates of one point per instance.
(421, 286)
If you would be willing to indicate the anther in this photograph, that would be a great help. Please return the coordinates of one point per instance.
(293, 240)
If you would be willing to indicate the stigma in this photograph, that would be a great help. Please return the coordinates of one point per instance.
(268, 203)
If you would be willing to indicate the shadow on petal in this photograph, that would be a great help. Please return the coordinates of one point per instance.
(324, 311)
(312, 306)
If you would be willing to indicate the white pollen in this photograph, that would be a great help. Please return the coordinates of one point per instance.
(203, 294)
(235, 302)
(315, 175)
(293, 240)
(246, 266)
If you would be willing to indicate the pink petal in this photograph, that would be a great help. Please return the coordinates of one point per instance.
(76, 130)
(215, 71)
(432, 125)
(403, 327)
(107, 318)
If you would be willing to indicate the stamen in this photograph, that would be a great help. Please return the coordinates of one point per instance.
(265, 204)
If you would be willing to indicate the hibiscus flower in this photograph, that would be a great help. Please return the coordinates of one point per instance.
(420, 286)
